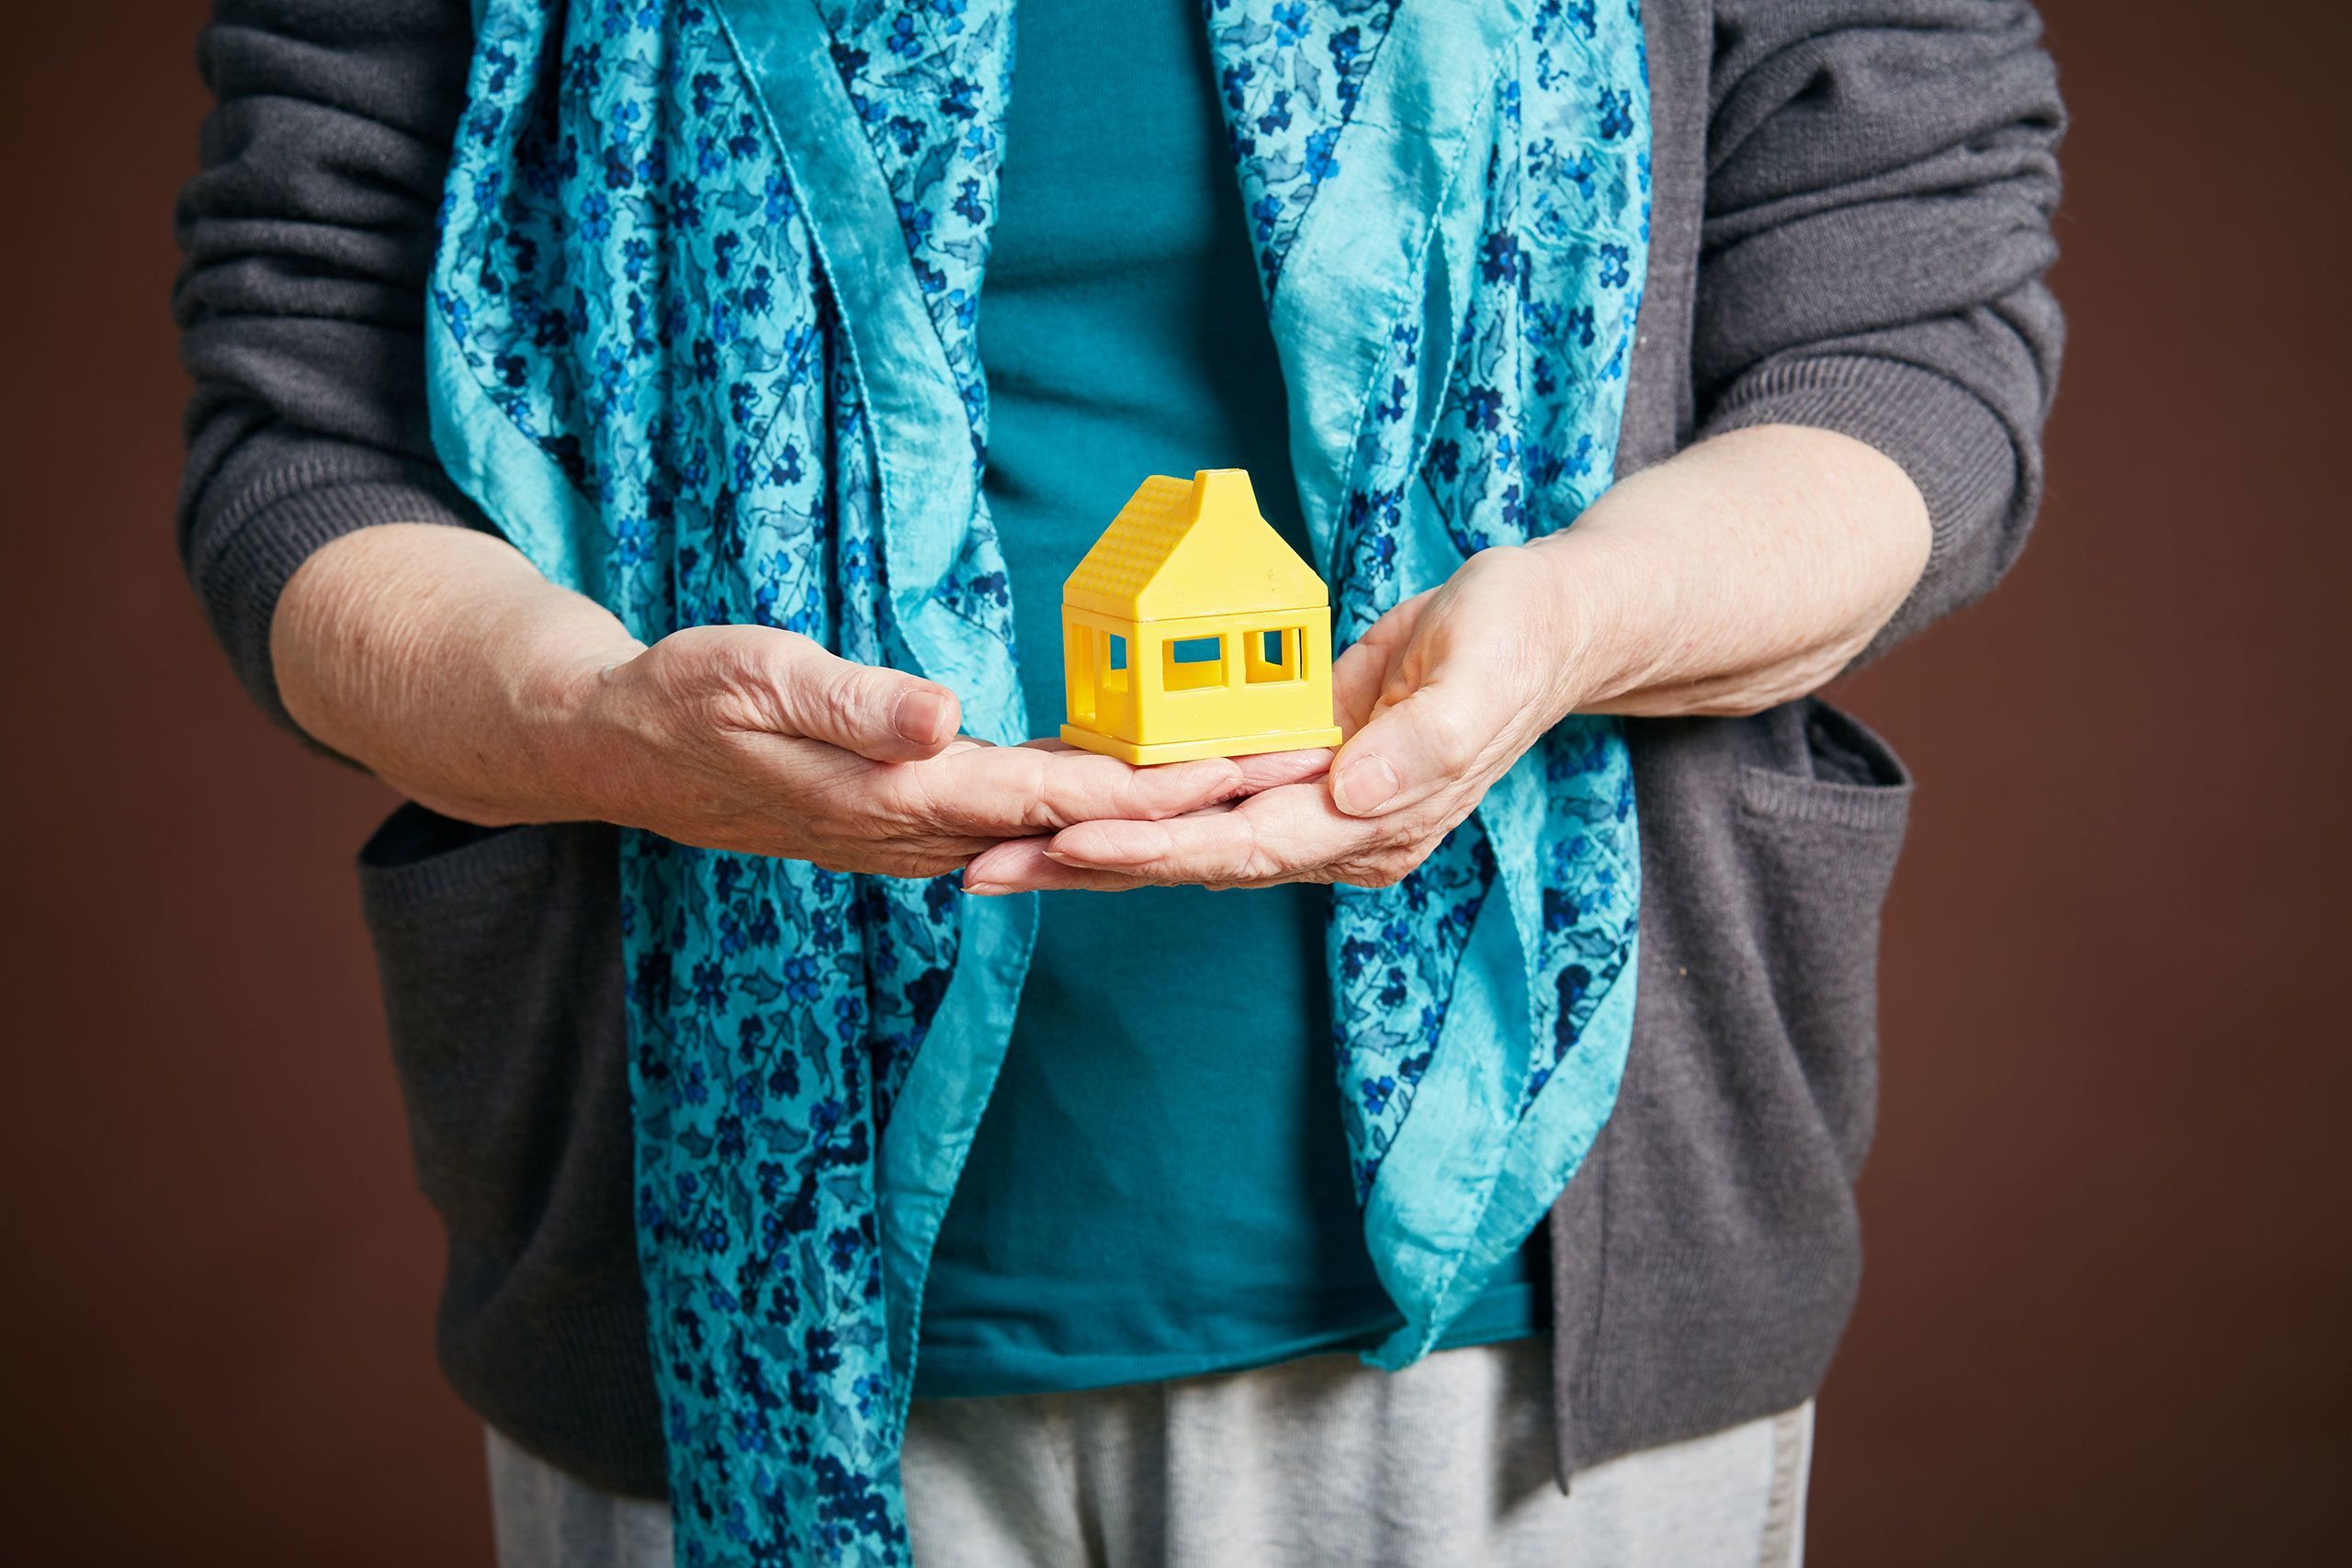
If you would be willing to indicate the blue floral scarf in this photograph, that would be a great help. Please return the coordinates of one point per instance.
(702, 345)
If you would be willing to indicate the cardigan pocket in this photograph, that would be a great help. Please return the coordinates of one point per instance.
(1821, 839)
(501, 958)
(499, 951)
(1718, 1215)
(1851, 777)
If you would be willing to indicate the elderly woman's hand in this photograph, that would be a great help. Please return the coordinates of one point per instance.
(1438, 698)
(1747, 571)
(443, 661)
(759, 740)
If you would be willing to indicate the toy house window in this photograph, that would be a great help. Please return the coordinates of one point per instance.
(1193, 664)
(1273, 656)
(1111, 659)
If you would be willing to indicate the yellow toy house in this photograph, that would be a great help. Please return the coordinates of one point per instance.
(1192, 629)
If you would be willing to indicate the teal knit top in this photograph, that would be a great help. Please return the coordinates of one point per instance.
(1100, 1234)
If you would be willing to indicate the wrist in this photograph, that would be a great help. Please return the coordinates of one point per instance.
(442, 661)
(1592, 615)
(569, 729)
(1744, 571)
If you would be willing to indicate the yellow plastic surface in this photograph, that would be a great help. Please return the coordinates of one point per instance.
(1193, 750)
(1226, 633)
(1179, 550)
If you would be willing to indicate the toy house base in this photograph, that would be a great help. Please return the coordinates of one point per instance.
(1192, 750)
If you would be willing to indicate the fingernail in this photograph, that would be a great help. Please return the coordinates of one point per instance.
(916, 717)
(1364, 785)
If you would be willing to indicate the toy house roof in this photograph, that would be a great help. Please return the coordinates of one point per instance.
(1196, 547)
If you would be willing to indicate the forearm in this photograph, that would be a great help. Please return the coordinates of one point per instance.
(1880, 180)
(442, 661)
(1747, 571)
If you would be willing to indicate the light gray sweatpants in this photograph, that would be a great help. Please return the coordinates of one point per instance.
(1316, 1463)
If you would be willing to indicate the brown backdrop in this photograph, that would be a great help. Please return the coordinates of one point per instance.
(2108, 1296)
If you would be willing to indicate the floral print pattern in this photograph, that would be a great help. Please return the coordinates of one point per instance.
(1289, 75)
(630, 274)
(1522, 442)
(629, 278)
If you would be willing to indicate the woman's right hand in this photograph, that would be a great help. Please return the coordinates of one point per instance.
(442, 661)
(752, 738)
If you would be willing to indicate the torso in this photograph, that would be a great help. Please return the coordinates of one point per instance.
(1160, 1185)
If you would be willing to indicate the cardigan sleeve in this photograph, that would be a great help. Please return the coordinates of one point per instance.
(1881, 175)
(306, 239)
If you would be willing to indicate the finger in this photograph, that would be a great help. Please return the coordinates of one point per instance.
(1017, 791)
(884, 715)
(1272, 770)
(1026, 864)
(1358, 674)
(1409, 750)
(1260, 770)
(1357, 677)
(1287, 834)
(1022, 866)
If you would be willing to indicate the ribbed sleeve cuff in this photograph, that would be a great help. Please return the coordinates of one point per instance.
(270, 526)
(1958, 453)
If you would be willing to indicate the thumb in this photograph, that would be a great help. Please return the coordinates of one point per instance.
(888, 715)
(1410, 749)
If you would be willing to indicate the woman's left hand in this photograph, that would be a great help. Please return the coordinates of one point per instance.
(1744, 571)
(1437, 700)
